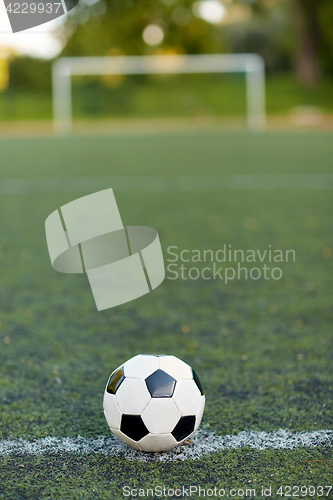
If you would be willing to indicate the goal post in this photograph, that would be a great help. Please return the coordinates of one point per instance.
(251, 64)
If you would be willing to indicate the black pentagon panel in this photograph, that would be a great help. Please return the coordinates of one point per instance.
(160, 384)
(184, 428)
(133, 427)
(115, 381)
(197, 381)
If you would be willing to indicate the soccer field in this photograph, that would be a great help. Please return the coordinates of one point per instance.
(262, 346)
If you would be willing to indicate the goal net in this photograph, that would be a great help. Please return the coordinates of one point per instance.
(250, 64)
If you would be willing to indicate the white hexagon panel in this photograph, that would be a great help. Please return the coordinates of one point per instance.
(132, 396)
(187, 397)
(141, 366)
(161, 415)
(153, 402)
(175, 367)
(111, 410)
(199, 413)
(157, 442)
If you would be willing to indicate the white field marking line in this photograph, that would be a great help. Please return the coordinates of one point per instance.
(203, 442)
(163, 183)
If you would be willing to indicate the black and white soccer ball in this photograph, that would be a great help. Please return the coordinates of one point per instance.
(153, 402)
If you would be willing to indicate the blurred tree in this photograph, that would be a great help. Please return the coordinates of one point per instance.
(312, 33)
(117, 26)
(308, 39)
(303, 34)
(27, 73)
(286, 33)
(263, 27)
(325, 17)
(313, 22)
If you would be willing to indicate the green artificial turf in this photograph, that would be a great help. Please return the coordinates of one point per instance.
(262, 349)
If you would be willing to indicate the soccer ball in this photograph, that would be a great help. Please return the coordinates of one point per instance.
(153, 402)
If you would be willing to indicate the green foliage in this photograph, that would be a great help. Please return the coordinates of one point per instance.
(119, 29)
(29, 74)
(268, 32)
(171, 96)
(113, 27)
(326, 24)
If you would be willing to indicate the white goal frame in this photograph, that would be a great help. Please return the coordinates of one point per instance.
(251, 64)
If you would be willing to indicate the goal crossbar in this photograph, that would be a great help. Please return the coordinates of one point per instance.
(251, 64)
